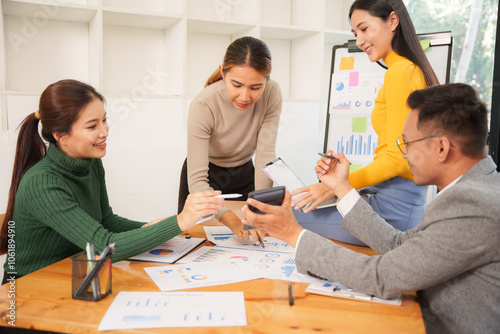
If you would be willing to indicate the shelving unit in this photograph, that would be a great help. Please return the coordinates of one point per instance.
(158, 54)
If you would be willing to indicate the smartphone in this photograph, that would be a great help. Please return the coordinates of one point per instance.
(272, 196)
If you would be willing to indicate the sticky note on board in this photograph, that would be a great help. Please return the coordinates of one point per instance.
(346, 63)
(359, 124)
(353, 79)
(355, 167)
(425, 43)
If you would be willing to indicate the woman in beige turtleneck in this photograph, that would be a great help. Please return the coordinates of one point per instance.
(234, 117)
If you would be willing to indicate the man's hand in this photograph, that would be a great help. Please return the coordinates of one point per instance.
(278, 221)
(335, 174)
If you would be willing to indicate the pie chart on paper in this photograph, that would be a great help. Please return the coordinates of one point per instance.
(161, 251)
(339, 86)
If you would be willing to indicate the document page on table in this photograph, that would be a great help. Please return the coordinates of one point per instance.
(133, 310)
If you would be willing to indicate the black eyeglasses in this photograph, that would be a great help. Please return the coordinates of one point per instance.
(403, 144)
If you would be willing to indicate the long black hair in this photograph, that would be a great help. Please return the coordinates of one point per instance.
(405, 41)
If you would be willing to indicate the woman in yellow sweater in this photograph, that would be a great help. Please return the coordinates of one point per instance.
(383, 30)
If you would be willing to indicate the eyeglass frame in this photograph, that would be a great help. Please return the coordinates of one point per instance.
(406, 143)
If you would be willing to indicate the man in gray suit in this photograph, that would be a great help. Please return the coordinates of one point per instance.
(452, 259)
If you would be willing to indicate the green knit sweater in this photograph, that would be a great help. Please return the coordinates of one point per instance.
(62, 204)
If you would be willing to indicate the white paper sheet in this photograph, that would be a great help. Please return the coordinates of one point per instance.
(223, 236)
(272, 265)
(132, 310)
(335, 289)
(170, 251)
(195, 275)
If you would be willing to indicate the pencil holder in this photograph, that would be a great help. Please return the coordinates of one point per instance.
(90, 288)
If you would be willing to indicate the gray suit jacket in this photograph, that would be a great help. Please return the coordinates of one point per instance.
(452, 258)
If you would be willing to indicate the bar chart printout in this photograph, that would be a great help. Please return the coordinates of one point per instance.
(132, 310)
(352, 98)
(356, 144)
(355, 137)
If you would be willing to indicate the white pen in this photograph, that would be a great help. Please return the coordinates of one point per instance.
(228, 196)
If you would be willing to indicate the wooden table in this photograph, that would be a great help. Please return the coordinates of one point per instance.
(43, 302)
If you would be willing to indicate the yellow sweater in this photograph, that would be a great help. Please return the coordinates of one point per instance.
(388, 119)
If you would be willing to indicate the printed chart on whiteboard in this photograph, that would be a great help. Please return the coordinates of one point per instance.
(355, 84)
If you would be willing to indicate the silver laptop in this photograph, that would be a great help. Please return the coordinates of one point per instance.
(282, 175)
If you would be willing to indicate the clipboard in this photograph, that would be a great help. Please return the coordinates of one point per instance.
(334, 289)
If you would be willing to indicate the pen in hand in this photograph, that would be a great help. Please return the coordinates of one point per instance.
(261, 242)
(330, 157)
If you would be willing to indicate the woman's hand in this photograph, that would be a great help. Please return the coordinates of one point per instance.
(237, 227)
(316, 193)
(199, 205)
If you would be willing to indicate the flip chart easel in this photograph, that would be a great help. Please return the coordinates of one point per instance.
(354, 85)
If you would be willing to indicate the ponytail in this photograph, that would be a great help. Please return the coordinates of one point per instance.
(59, 108)
(216, 76)
(245, 51)
(29, 150)
(405, 40)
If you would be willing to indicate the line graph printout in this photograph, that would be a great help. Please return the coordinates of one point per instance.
(196, 275)
(133, 310)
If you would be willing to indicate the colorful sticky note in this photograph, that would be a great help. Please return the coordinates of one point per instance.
(355, 167)
(425, 43)
(359, 124)
(353, 79)
(346, 63)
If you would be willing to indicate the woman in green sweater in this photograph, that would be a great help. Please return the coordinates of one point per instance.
(58, 200)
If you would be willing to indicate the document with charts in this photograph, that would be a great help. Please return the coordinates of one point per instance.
(335, 289)
(223, 236)
(170, 251)
(196, 275)
(133, 310)
(270, 264)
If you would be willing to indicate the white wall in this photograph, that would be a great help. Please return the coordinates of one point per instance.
(149, 61)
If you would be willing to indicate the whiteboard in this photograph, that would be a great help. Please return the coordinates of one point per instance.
(354, 85)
